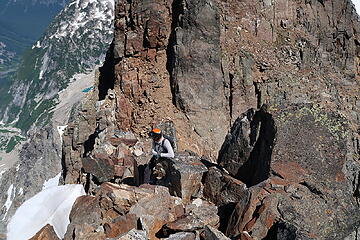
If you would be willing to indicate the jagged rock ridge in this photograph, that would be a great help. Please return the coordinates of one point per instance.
(280, 77)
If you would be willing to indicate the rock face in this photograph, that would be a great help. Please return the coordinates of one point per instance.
(197, 85)
(283, 84)
(94, 150)
(214, 234)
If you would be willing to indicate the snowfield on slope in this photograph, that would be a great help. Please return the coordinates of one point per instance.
(50, 206)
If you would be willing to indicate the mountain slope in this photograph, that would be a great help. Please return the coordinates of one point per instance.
(18, 33)
(44, 91)
(68, 47)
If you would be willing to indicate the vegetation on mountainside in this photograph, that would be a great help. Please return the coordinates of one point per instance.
(50, 65)
(9, 138)
(13, 142)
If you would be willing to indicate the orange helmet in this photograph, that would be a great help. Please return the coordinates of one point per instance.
(155, 133)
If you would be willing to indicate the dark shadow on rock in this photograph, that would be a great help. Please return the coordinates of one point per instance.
(141, 170)
(257, 168)
(209, 164)
(63, 166)
(89, 144)
(281, 231)
(165, 232)
(247, 150)
(131, 181)
(177, 10)
(107, 73)
(172, 177)
(224, 212)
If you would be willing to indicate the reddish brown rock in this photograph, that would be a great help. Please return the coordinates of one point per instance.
(120, 225)
(46, 233)
(85, 218)
(292, 54)
(117, 209)
(226, 192)
(257, 215)
(221, 189)
(156, 210)
(124, 196)
(101, 168)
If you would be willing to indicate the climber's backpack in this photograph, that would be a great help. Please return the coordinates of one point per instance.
(171, 140)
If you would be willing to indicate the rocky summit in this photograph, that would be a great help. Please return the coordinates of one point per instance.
(262, 98)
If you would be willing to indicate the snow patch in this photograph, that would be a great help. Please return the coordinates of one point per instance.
(357, 5)
(52, 182)
(9, 199)
(61, 130)
(45, 64)
(37, 45)
(41, 74)
(50, 206)
(18, 167)
(21, 191)
(101, 12)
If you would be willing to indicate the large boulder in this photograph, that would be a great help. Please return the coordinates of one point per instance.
(85, 219)
(246, 152)
(182, 236)
(120, 164)
(183, 175)
(133, 234)
(312, 153)
(225, 191)
(257, 215)
(156, 210)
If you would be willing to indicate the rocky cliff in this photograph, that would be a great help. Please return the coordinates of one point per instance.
(264, 98)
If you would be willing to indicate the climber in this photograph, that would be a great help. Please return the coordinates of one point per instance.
(162, 149)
